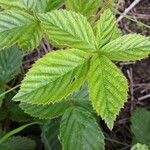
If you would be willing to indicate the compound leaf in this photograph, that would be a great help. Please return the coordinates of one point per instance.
(54, 77)
(50, 133)
(12, 26)
(69, 29)
(79, 130)
(127, 47)
(107, 88)
(106, 28)
(18, 143)
(86, 8)
(141, 125)
(10, 63)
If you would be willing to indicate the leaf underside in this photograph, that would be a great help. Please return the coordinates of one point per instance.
(45, 111)
(107, 88)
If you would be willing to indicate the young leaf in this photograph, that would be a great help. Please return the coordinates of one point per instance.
(10, 63)
(140, 147)
(54, 77)
(50, 133)
(14, 25)
(79, 130)
(107, 88)
(106, 28)
(69, 29)
(127, 47)
(86, 8)
(141, 125)
(18, 143)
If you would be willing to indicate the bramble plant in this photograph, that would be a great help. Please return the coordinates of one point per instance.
(56, 84)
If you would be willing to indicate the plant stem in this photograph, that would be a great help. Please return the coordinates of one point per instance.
(8, 91)
(131, 19)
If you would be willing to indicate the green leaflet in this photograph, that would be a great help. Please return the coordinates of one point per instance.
(140, 147)
(38, 6)
(140, 125)
(69, 29)
(10, 63)
(80, 131)
(86, 8)
(50, 135)
(50, 111)
(18, 143)
(127, 47)
(104, 88)
(14, 26)
(18, 4)
(54, 77)
(106, 28)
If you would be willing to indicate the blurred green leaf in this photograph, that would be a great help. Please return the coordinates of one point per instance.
(140, 126)
(18, 143)
(50, 132)
(13, 132)
(10, 63)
